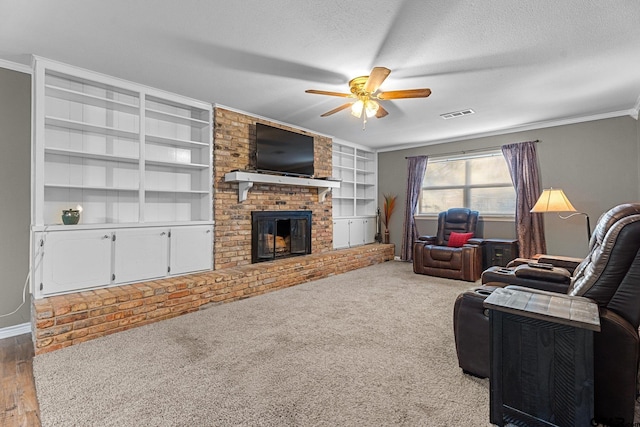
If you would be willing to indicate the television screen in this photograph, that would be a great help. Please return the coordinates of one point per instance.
(283, 151)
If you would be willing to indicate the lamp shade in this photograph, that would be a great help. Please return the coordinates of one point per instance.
(553, 200)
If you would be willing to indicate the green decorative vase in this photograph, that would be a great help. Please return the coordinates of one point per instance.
(70, 216)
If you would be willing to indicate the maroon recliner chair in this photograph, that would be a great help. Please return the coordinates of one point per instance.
(434, 256)
(610, 276)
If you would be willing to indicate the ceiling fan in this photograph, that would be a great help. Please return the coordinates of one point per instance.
(364, 90)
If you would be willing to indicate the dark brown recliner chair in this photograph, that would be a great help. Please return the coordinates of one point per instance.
(433, 256)
(610, 276)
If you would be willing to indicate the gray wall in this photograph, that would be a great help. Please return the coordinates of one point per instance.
(15, 161)
(596, 163)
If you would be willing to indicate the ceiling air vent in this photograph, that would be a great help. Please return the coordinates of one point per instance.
(457, 114)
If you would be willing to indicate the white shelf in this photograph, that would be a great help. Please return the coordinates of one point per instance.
(160, 190)
(62, 227)
(175, 118)
(87, 127)
(247, 179)
(88, 155)
(87, 99)
(157, 139)
(176, 164)
(90, 187)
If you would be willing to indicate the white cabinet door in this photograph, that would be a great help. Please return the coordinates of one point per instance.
(191, 249)
(74, 260)
(141, 254)
(369, 230)
(356, 232)
(341, 233)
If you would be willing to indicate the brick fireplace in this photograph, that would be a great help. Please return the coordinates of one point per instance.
(234, 139)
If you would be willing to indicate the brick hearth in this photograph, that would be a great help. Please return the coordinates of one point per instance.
(65, 320)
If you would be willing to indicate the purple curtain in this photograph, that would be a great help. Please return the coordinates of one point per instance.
(522, 159)
(416, 167)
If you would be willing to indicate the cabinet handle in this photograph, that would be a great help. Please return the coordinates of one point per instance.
(163, 233)
(208, 231)
(106, 236)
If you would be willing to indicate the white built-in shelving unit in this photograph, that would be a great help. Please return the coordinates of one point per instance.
(132, 157)
(355, 202)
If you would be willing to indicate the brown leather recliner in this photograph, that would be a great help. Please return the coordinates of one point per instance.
(610, 276)
(433, 256)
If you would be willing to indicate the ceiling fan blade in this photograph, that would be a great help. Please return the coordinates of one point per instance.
(324, 92)
(377, 76)
(381, 112)
(409, 93)
(335, 110)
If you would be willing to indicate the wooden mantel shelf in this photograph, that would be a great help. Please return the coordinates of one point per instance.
(245, 181)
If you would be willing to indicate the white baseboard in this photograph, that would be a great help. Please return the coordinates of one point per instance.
(12, 331)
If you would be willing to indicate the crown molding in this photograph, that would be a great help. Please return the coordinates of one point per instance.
(521, 128)
(15, 66)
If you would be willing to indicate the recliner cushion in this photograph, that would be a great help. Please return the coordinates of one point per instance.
(457, 240)
(441, 253)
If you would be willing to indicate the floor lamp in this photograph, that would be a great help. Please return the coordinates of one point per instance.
(554, 200)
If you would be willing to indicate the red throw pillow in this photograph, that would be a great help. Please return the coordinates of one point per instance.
(457, 240)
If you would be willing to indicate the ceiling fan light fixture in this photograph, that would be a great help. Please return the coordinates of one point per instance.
(371, 107)
(365, 93)
(357, 107)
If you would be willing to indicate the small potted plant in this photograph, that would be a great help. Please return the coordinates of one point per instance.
(387, 209)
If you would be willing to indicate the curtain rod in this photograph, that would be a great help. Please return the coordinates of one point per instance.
(473, 150)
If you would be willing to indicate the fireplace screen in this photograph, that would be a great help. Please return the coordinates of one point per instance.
(279, 234)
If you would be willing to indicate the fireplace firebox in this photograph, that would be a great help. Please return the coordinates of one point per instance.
(280, 234)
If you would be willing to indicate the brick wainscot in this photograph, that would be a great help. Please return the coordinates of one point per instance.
(65, 320)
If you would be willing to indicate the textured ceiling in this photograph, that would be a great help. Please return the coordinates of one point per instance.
(516, 64)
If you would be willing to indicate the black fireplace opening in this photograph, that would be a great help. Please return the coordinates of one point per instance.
(280, 234)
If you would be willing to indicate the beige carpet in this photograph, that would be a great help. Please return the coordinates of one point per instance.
(373, 347)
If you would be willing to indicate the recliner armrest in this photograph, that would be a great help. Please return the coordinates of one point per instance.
(519, 261)
(557, 275)
(428, 240)
(570, 263)
(498, 276)
(476, 241)
(546, 292)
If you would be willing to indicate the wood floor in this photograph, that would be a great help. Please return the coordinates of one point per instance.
(18, 396)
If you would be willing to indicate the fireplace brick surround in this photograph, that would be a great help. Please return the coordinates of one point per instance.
(234, 141)
(64, 320)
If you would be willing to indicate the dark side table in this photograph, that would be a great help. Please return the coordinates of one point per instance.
(498, 252)
(541, 357)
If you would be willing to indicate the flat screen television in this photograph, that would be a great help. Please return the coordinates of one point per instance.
(284, 152)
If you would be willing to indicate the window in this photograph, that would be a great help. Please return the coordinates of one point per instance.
(481, 183)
